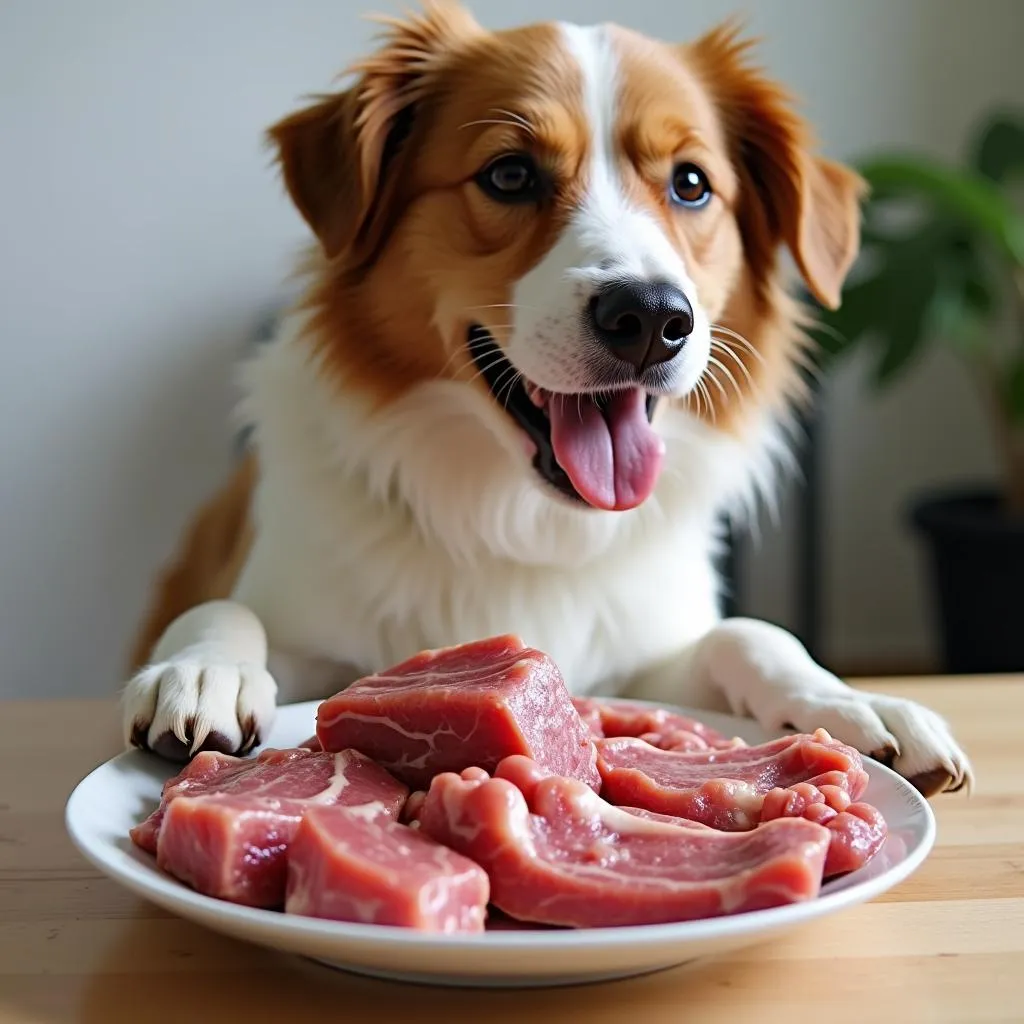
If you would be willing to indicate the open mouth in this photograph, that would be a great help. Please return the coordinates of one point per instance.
(597, 449)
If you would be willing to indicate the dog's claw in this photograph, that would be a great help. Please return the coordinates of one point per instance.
(934, 782)
(250, 735)
(885, 755)
(137, 737)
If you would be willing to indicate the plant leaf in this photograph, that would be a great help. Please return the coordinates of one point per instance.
(999, 152)
(1014, 391)
(978, 295)
(967, 297)
(964, 195)
(913, 284)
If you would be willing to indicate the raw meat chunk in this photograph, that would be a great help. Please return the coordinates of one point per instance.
(556, 853)
(460, 706)
(660, 727)
(348, 866)
(226, 832)
(231, 847)
(724, 788)
(205, 773)
(857, 830)
(294, 773)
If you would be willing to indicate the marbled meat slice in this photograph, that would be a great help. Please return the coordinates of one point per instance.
(296, 773)
(724, 788)
(348, 866)
(449, 709)
(660, 727)
(228, 835)
(557, 854)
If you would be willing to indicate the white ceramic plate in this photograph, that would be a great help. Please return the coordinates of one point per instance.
(120, 793)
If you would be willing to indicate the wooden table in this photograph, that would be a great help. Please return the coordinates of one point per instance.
(947, 945)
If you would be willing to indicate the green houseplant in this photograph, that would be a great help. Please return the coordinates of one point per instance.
(943, 263)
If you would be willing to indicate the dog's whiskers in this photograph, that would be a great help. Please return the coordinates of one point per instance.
(502, 305)
(497, 120)
(486, 368)
(709, 405)
(709, 374)
(518, 118)
(508, 387)
(737, 337)
(713, 412)
(698, 400)
(719, 365)
(455, 353)
(718, 345)
(695, 396)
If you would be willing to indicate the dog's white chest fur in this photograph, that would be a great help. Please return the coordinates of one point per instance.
(382, 534)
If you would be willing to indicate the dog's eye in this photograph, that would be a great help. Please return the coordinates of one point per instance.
(511, 179)
(690, 186)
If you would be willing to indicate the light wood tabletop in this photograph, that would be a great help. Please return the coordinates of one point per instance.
(947, 945)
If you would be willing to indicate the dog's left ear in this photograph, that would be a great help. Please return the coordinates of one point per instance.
(791, 195)
(339, 156)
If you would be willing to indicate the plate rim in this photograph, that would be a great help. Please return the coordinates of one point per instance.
(148, 882)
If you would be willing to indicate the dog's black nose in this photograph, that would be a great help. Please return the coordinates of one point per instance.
(643, 322)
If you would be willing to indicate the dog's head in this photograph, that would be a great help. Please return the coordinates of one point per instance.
(562, 216)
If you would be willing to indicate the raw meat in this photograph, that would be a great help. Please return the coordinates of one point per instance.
(223, 826)
(294, 773)
(556, 853)
(672, 819)
(589, 710)
(348, 866)
(660, 727)
(857, 830)
(202, 774)
(724, 788)
(461, 706)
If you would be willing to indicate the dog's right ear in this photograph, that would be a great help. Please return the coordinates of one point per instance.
(316, 150)
(339, 156)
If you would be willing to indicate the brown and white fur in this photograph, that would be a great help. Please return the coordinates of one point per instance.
(389, 503)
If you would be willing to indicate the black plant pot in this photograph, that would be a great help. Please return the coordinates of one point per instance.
(977, 567)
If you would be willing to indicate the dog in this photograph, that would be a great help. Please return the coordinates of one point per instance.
(545, 343)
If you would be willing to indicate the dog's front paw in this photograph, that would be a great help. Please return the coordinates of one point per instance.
(907, 736)
(927, 753)
(191, 703)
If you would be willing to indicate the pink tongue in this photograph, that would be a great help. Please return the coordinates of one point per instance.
(613, 457)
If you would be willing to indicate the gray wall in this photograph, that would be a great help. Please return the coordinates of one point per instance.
(142, 231)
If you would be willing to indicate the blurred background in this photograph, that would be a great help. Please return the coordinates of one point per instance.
(144, 235)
